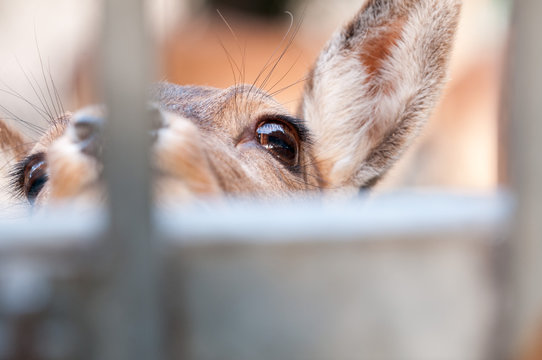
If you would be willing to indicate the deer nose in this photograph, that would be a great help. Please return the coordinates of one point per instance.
(158, 121)
(88, 126)
(86, 132)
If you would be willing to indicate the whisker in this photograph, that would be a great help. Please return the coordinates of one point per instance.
(284, 51)
(43, 74)
(286, 73)
(268, 62)
(11, 116)
(232, 65)
(303, 79)
(40, 99)
(17, 95)
(52, 113)
(231, 60)
(55, 89)
(241, 74)
(243, 62)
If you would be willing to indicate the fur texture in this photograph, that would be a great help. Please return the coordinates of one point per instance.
(368, 94)
(375, 84)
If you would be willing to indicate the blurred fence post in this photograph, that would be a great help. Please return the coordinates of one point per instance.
(524, 112)
(126, 305)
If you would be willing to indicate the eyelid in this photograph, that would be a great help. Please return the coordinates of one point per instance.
(36, 166)
(295, 124)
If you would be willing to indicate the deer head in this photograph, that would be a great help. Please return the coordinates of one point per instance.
(368, 94)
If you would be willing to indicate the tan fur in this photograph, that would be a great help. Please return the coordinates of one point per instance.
(12, 148)
(368, 94)
(12, 141)
(405, 47)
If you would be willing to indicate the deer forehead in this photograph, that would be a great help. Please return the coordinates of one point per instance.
(230, 111)
(226, 113)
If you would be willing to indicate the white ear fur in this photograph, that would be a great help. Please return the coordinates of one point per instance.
(374, 84)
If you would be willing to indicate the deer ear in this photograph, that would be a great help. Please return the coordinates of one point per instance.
(374, 85)
(12, 149)
(12, 144)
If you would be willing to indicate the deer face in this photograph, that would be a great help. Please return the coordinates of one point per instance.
(368, 94)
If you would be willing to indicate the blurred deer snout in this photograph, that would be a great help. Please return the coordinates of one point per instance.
(87, 132)
(87, 129)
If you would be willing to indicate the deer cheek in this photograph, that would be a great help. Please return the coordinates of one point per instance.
(70, 171)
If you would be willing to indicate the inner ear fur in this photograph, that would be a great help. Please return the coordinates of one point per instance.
(374, 85)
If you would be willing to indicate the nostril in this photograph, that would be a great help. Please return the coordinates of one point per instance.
(157, 119)
(85, 132)
(86, 126)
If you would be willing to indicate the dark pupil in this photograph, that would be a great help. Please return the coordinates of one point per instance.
(35, 178)
(35, 188)
(279, 141)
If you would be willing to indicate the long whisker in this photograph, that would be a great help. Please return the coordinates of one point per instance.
(303, 79)
(35, 88)
(52, 112)
(37, 129)
(243, 62)
(232, 67)
(55, 89)
(231, 61)
(284, 51)
(242, 68)
(286, 73)
(43, 74)
(17, 95)
(269, 60)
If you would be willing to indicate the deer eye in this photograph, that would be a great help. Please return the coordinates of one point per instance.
(34, 176)
(280, 140)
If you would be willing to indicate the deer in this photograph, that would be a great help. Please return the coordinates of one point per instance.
(366, 98)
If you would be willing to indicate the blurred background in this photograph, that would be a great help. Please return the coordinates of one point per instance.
(431, 296)
(57, 40)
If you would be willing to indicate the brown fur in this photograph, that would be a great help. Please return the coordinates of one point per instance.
(366, 98)
(403, 47)
(376, 48)
(12, 141)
